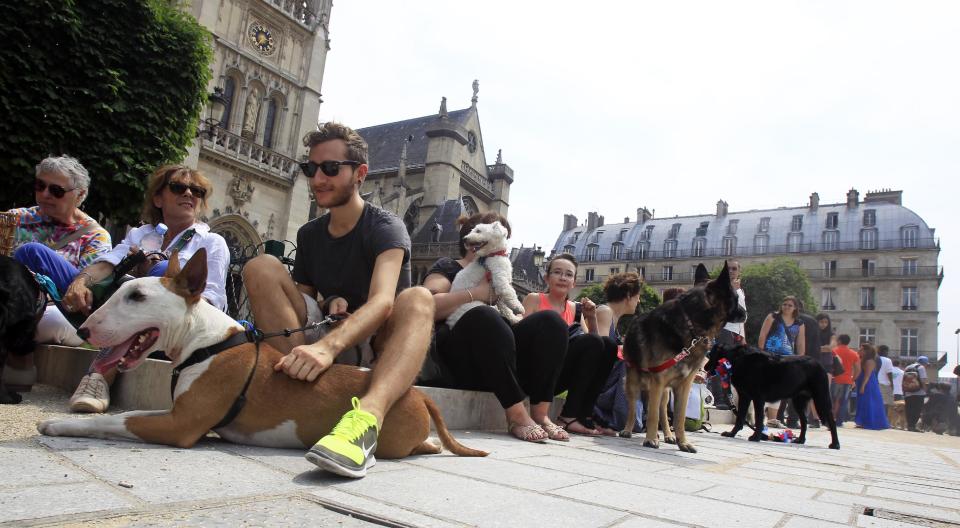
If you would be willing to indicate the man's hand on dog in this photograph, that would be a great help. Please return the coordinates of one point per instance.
(306, 362)
(78, 297)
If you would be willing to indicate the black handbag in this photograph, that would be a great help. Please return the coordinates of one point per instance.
(837, 369)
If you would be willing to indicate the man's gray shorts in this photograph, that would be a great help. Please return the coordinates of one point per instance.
(887, 392)
(360, 355)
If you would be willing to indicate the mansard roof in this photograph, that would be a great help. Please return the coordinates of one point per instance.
(890, 219)
(385, 142)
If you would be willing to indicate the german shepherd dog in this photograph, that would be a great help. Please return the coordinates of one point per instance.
(666, 348)
(762, 377)
(21, 304)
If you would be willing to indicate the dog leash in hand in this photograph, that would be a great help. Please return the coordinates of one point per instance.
(255, 335)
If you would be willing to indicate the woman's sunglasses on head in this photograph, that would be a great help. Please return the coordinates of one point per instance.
(330, 167)
(55, 190)
(180, 188)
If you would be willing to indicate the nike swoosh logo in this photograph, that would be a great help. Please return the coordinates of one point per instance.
(367, 450)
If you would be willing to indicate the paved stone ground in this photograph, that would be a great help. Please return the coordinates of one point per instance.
(904, 479)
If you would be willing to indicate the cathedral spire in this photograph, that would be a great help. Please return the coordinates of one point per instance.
(476, 90)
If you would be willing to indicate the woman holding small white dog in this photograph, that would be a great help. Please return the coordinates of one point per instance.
(483, 352)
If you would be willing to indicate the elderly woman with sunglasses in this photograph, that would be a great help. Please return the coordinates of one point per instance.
(175, 196)
(55, 237)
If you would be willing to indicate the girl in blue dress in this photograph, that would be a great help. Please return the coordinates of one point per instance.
(870, 411)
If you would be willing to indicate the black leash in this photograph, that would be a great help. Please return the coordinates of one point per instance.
(251, 335)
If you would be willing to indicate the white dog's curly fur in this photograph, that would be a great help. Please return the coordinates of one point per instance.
(492, 259)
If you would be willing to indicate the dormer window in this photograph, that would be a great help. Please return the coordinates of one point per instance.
(674, 230)
(645, 235)
(623, 235)
(909, 236)
(764, 225)
(732, 227)
(702, 230)
(869, 217)
(833, 220)
(797, 223)
(699, 246)
(669, 248)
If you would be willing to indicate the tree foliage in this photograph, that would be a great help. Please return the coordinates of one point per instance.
(118, 84)
(649, 299)
(765, 286)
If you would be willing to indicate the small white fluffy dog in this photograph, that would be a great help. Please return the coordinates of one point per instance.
(491, 258)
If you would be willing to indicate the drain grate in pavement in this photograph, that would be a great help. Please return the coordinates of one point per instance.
(907, 518)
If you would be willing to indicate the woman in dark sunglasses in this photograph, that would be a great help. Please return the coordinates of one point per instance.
(55, 238)
(176, 196)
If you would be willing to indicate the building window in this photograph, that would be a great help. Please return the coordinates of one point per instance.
(868, 239)
(622, 235)
(699, 245)
(831, 240)
(909, 235)
(569, 249)
(909, 267)
(869, 217)
(270, 124)
(868, 298)
(829, 269)
(230, 86)
(729, 246)
(732, 227)
(645, 235)
(614, 271)
(576, 236)
(909, 341)
(596, 236)
(826, 299)
(797, 223)
(674, 231)
(642, 271)
(794, 241)
(909, 297)
(868, 267)
(764, 225)
(616, 251)
(702, 230)
(591, 253)
(669, 248)
(867, 335)
(588, 275)
(643, 249)
(667, 273)
(760, 245)
(833, 220)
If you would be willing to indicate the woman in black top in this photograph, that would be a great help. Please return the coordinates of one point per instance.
(483, 352)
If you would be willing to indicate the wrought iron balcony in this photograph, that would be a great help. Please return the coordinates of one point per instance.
(225, 143)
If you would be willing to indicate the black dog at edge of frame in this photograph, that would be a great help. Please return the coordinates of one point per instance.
(762, 377)
(21, 305)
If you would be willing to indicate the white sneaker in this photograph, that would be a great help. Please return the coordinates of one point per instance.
(92, 395)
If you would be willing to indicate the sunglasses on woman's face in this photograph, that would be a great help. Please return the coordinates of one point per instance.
(55, 190)
(180, 188)
(330, 167)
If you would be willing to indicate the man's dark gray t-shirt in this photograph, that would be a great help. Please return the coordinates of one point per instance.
(343, 266)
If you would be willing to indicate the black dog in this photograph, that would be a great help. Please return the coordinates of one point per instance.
(940, 413)
(21, 305)
(763, 377)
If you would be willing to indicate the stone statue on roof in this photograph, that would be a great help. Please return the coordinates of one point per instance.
(476, 90)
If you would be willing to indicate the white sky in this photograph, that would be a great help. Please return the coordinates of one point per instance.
(609, 106)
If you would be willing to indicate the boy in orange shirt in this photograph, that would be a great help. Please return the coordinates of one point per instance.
(840, 389)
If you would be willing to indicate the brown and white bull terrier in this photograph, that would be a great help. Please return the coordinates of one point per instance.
(166, 313)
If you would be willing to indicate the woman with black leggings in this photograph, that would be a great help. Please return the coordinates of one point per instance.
(590, 355)
(483, 352)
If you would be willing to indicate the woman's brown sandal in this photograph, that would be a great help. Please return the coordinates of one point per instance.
(555, 432)
(528, 433)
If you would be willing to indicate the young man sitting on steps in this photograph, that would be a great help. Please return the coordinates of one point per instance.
(357, 259)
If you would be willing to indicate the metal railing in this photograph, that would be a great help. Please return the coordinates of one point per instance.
(749, 251)
(874, 273)
(475, 176)
(238, 304)
(248, 152)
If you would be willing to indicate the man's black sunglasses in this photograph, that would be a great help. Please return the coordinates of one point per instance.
(330, 167)
(180, 188)
(55, 190)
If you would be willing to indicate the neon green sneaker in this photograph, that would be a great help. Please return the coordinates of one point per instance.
(348, 449)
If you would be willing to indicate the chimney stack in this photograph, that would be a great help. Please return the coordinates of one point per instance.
(722, 208)
(814, 201)
(853, 198)
(569, 222)
(593, 221)
(643, 214)
(626, 219)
